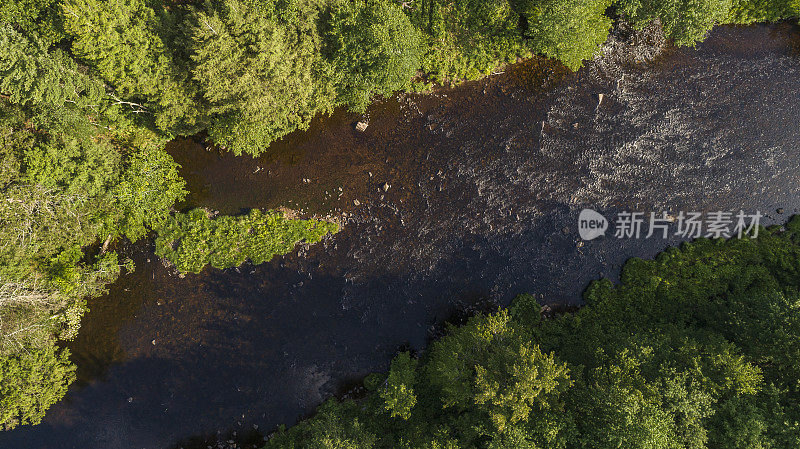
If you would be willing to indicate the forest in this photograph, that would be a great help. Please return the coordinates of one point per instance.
(248, 72)
(699, 348)
(91, 90)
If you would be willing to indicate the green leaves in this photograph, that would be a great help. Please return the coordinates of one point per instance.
(490, 368)
(373, 48)
(195, 239)
(697, 348)
(570, 31)
(750, 11)
(66, 182)
(121, 39)
(149, 188)
(39, 19)
(30, 382)
(31, 76)
(467, 39)
(398, 390)
(252, 71)
(334, 426)
(258, 65)
(684, 21)
(687, 22)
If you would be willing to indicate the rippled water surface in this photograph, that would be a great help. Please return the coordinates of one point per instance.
(454, 201)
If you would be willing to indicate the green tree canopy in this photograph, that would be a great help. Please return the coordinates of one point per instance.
(398, 390)
(38, 19)
(570, 31)
(259, 67)
(695, 349)
(30, 382)
(122, 41)
(467, 39)
(373, 48)
(30, 75)
(684, 21)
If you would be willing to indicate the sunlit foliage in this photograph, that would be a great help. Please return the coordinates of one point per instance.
(196, 239)
(260, 69)
(467, 39)
(699, 348)
(373, 48)
(570, 31)
(684, 21)
(30, 382)
(123, 41)
(90, 90)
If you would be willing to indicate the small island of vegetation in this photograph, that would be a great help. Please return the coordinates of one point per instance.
(195, 240)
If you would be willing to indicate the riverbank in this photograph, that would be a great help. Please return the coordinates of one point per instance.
(696, 347)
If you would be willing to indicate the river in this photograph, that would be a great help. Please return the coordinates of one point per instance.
(455, 201)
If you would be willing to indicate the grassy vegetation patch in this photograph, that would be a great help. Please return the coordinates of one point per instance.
(196, 239)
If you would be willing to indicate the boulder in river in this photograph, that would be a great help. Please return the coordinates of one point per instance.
(361, 126)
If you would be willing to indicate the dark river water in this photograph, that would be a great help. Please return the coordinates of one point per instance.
(483, 186)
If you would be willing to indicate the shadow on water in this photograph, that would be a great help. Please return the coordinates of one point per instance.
(455, 201)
